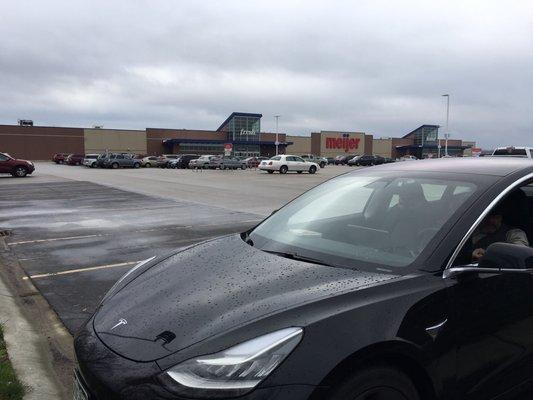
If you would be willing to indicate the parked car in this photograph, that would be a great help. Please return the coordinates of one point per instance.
(75, 159)
(253, 162)
(388, 160)
(343, 160)
(322, 161)
(227, 162)
(101, 160)
(201, 162)
(361, 288)
(182, 161)
(511, 151)
(150, 161)
(331, 160)
(366, 160)
(408, 158)
(164, 159)
(16, 167)
(121, 160)
(90, 160)
(60, 158)
(337, 159)
(284, 163)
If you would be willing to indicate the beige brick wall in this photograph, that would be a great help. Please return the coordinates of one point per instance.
(100, 140)
(301, 145)
(383, 147)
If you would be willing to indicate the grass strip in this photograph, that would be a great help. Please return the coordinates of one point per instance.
(10, 386)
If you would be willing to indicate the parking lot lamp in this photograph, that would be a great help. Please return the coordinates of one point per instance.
(447, 133)
(277, 141)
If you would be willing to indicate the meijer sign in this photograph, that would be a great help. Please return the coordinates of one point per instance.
(342, 143)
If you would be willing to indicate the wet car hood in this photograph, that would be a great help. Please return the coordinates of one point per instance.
(208, 289)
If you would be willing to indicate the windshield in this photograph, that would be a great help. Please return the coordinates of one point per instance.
(510, 152)
(370, 221)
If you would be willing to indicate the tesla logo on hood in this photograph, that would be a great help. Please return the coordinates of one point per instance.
(121, 321)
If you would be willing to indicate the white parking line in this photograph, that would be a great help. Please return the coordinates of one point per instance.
(86, 269)
(53, 239)
(74, 271)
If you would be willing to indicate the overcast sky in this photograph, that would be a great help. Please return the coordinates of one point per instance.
(373, 66)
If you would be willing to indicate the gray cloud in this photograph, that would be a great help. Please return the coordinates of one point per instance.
(374, 66)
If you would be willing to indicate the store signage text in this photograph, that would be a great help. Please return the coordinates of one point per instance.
(345, 143)
(247, 133)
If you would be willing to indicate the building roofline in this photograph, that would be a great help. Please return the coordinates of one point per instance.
(421, 126)
(238, 114)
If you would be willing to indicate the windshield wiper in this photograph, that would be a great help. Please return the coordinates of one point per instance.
(298, 257)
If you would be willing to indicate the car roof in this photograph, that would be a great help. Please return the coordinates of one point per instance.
(513, 147)
(463, 165)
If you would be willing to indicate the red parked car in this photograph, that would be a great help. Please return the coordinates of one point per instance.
(253, 162)
(60, 158)
(75, 159)
(15, 167)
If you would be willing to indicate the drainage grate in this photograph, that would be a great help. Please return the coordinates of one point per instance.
(4, 233)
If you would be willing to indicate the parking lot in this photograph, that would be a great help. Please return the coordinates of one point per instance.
(76, 230)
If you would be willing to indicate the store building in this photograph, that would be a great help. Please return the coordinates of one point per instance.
(425, 143)
(240, 133)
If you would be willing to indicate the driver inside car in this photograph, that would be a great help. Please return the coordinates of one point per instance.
(492, 230)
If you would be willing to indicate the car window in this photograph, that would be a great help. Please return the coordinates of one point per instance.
(373, 221)
(3, 157)
(276, 158)
(299, 159)
(434, 192)
(509, 221)
(120, 157)
(510, 152)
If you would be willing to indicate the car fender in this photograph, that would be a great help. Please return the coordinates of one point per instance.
(335, 328)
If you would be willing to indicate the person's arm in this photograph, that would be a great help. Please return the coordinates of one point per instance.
(517, 236)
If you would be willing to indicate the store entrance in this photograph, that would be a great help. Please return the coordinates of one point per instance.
(246, 154)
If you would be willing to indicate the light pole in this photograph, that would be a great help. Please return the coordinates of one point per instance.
(447, 134)
(277, 141)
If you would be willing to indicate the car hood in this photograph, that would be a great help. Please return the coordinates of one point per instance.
(208, 289)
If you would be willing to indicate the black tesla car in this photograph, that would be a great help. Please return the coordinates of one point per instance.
(404, 281)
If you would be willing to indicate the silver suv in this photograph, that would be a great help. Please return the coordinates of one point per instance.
(121, 160)
(322, 161)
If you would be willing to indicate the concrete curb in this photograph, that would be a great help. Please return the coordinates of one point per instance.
(32, 350)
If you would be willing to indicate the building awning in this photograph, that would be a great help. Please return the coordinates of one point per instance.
(429, 146)
(169, 142)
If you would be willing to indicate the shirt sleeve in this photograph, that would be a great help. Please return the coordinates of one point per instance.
(517, 236)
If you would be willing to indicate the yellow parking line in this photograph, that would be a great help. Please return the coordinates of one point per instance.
(74, 271)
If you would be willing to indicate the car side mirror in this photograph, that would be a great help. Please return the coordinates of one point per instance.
(499, 258)
(506, 256)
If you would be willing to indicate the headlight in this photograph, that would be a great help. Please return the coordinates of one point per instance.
(234, 371)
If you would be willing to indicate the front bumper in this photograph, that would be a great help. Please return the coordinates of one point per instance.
(107, 376)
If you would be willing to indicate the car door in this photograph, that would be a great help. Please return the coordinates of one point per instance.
(120, 159)
(301, 164)
(291, 163)
(493, 320)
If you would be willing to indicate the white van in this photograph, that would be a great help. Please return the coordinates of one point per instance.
(512, 151)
